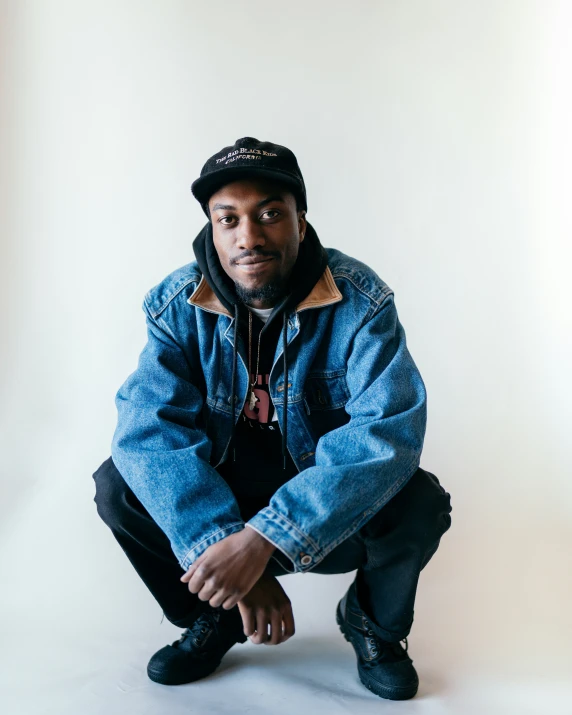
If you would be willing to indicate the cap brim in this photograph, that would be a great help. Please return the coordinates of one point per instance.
(205, 186)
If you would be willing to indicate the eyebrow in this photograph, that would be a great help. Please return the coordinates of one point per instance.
(269, 199)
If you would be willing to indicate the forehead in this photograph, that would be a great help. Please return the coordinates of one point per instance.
(246, 191)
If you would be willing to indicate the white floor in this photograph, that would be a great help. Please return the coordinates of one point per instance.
(492, 630)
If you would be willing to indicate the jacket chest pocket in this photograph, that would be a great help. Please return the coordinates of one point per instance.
(326, 390)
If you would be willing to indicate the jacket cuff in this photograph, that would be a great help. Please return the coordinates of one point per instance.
(286, 536)
(280, 556)
(203, 545)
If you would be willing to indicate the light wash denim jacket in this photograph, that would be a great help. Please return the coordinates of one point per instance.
(357, 411)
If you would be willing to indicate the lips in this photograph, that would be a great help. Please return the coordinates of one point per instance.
(251, 261)
(254, 265)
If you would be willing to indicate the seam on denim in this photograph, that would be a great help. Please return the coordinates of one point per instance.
(386, 299)
(373, 311)
(218, 405)
(292, 399)
(224, 528)
(272, 542)
(342, 382)
(327, 374)
(399, 485)
(387, 496)
(324, 408)
(164, 328)
(295, 528)
(309, 438)
(353, 529)
(277, 517)
(193, 279)
(349, 277)
(162, 323)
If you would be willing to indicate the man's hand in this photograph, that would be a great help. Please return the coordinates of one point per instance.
(227, 570)
(266, 604)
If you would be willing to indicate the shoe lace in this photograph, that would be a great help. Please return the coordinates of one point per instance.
(202, 627)
(378, 645)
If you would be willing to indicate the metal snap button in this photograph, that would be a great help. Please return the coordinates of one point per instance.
(305, 560)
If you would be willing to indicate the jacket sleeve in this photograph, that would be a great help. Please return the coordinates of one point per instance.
(163, 453)
(362, 464)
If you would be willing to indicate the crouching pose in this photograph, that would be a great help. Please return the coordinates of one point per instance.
(274, 425)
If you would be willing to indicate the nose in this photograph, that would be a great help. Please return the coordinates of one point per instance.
(249, 235)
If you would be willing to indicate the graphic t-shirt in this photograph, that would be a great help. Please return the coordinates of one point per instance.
(258, 469)
(263, 407)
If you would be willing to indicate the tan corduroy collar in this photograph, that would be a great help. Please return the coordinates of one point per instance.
(324, 292)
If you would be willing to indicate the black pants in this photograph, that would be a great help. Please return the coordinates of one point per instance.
(389, 551)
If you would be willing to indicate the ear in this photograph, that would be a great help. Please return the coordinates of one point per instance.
(301, 224)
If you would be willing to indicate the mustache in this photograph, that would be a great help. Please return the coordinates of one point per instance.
(253, 254)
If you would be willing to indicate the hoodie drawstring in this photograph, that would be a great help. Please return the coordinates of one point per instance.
(233, 382)
(285, 410)
(233, 386)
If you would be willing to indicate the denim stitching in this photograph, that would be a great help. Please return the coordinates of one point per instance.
(353, 529)
(326, 374)
(350, 277)
(194, 548)
(148, 296)
(272, 542)
(306, 538)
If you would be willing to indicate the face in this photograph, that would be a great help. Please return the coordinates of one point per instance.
(257, 232)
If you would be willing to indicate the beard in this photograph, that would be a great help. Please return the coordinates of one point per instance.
(269, 294)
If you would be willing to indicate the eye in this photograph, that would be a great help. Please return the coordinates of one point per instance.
(222, 220)
(272, 211)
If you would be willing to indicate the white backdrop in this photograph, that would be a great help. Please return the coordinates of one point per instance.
(434, 138)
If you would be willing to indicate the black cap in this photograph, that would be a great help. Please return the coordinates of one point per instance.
(246, 158)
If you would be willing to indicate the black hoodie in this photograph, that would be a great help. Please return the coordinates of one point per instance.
(258, 465)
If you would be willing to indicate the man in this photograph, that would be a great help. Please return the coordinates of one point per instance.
(275, 392)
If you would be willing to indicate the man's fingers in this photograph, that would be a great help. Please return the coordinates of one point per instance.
(261, 635)
(206, 592)
(275, 628)
(198, 579)
(216, 598)
(248, 620)
(186, 577)
(230, 602)
(289, 628)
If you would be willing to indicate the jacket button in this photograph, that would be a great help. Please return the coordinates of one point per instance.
(305, 560)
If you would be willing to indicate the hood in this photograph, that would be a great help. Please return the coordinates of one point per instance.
(311, 262)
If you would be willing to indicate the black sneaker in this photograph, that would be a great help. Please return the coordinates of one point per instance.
(200, 649)
(383, 667)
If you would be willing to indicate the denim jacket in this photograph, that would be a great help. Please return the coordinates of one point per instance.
(356, 402)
